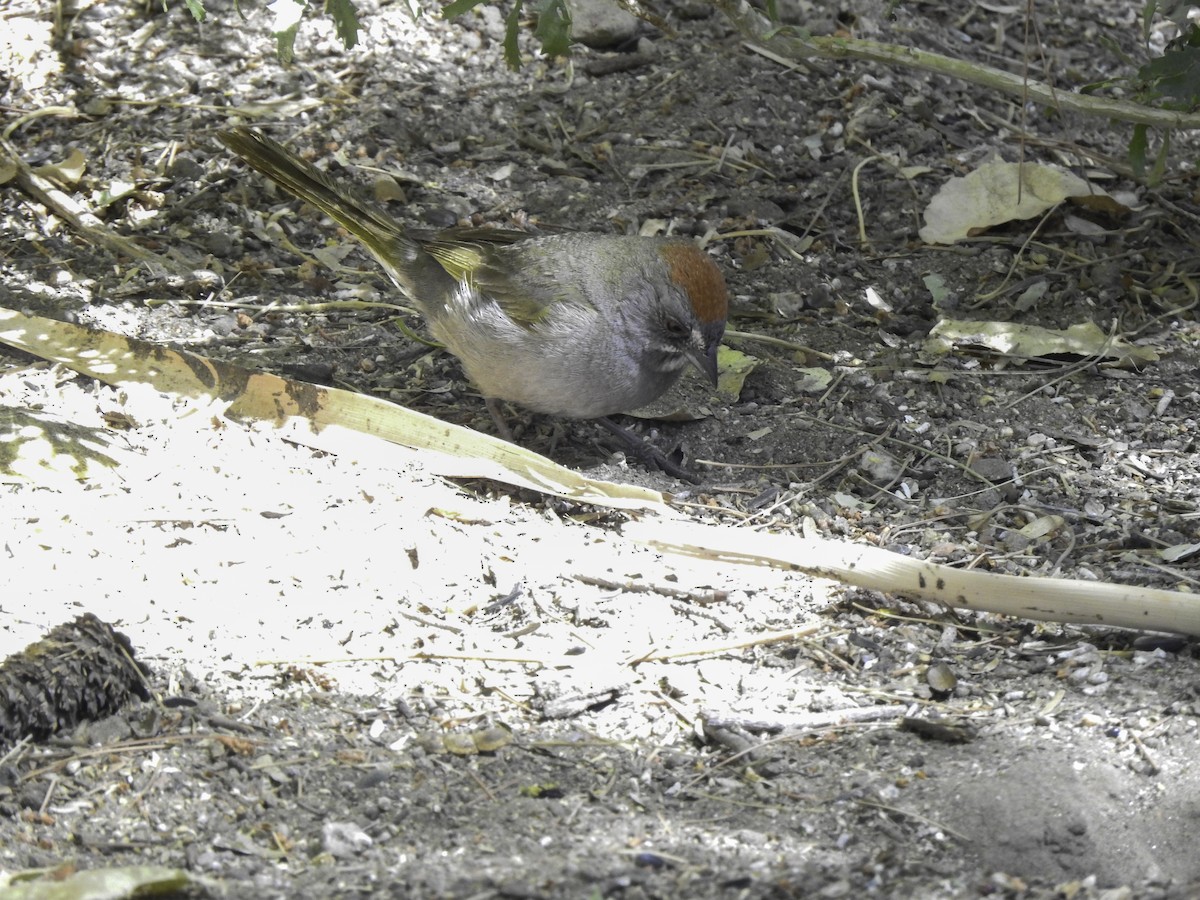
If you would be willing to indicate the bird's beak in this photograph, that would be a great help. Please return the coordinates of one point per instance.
(705, 359)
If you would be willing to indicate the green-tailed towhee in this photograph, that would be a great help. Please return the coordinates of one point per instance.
(580, 325)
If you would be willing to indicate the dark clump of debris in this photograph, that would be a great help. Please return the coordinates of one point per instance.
(80, 671)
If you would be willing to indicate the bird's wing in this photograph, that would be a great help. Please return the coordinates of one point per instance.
(499, 269)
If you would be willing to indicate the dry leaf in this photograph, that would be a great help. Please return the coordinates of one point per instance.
(999, 192)
(1025, 342)
(66, 173)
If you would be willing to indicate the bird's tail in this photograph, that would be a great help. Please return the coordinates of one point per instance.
(414, 270)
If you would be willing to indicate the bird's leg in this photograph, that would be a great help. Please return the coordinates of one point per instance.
(493, 407)
(647, 452)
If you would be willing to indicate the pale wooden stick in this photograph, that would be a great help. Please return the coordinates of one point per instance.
(1045, 599)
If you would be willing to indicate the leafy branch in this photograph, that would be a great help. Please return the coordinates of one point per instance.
(288, 14)
(553, 28)
(793, 45)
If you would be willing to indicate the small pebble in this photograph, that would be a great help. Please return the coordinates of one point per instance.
(343, 840)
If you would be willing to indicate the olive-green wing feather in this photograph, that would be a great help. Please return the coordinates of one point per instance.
(502, 266)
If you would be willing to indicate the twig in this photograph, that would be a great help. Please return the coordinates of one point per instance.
(638, 587)
(831, 718)
(81, 219)
(789, 44)
(895, 810)
(713, 649)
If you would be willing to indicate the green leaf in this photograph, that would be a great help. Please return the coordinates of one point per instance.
(1138, 144)
(285, 44)
(1114, 48)
(1160, 161)
(1094, 87)
(345, 18)
(196, 8)
(1176, 74)
(554, 27)
(288, 14)
(936, 286)
(458, 7)
(1148, 18)
(512, 26)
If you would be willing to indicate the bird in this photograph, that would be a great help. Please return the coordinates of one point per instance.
(577, 325)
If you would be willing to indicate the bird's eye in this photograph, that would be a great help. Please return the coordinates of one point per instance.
(677, 329)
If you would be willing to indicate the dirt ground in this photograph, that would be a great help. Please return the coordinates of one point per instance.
(371, 682)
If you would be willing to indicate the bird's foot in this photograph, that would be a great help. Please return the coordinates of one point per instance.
(647, 452)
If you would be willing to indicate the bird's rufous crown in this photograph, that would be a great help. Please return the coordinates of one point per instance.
(693, 270)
